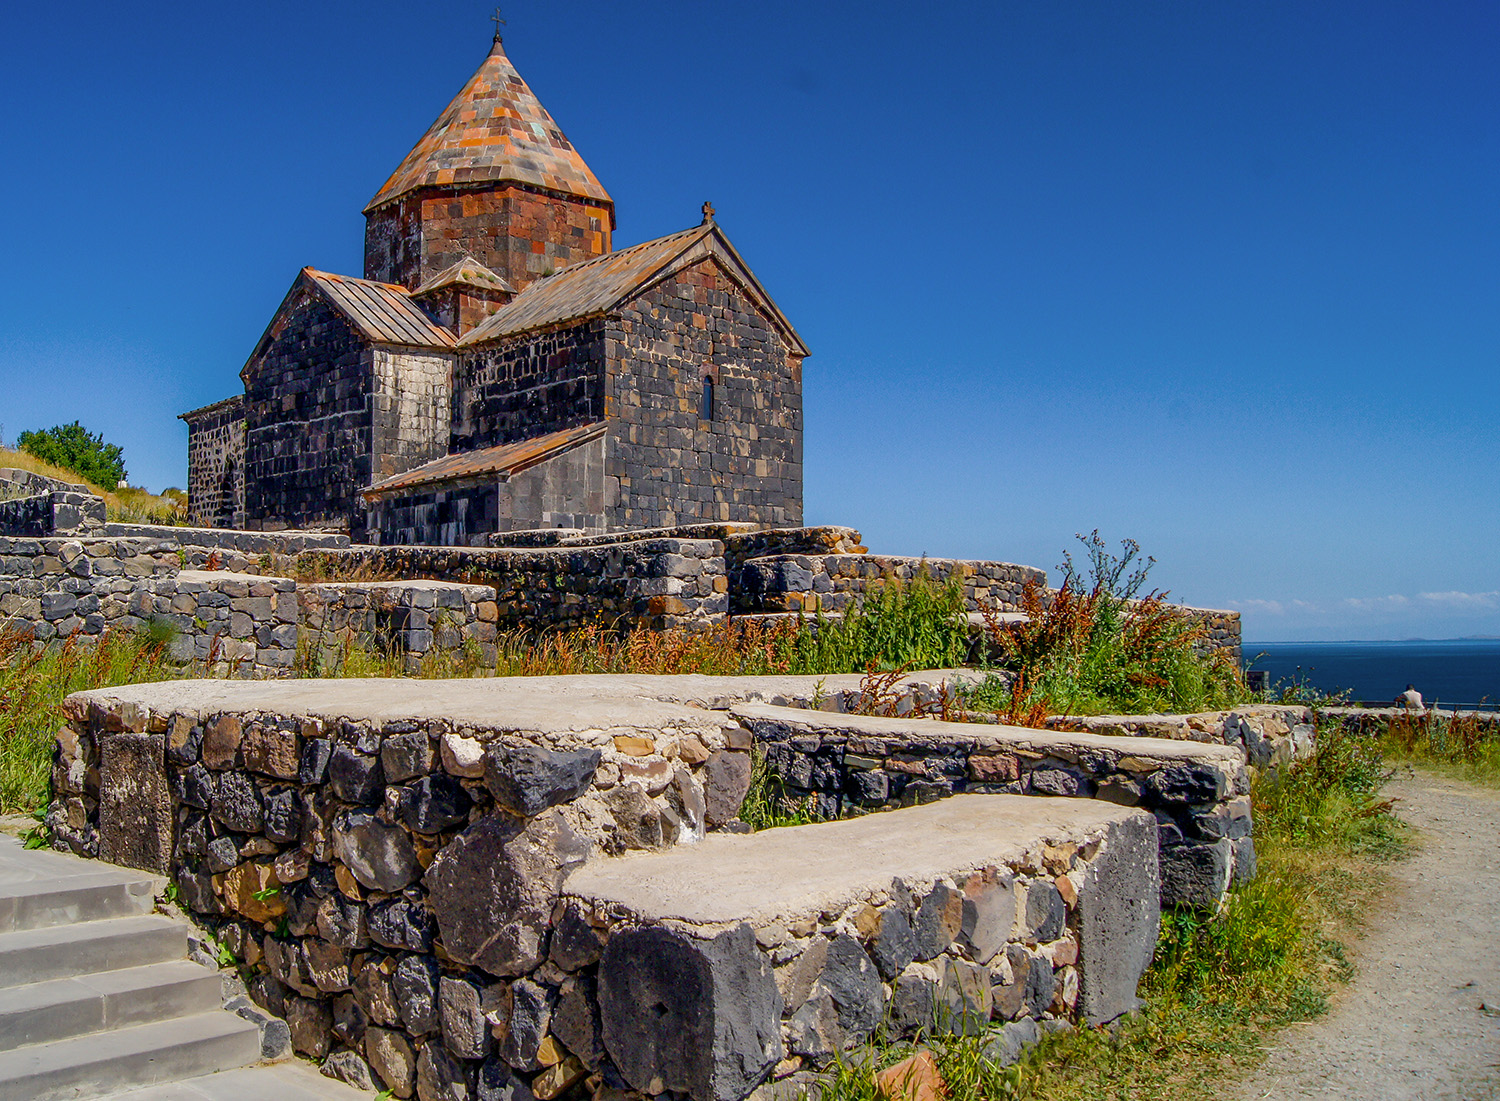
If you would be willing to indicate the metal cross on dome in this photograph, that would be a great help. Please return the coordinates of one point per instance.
(495, 19)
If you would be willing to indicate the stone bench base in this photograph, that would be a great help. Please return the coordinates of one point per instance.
(727, 959)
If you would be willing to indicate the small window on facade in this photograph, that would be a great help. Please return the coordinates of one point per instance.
(707, 411)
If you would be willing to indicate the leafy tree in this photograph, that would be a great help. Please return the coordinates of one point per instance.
(75, 448)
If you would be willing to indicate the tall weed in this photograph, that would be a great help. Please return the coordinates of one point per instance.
(33, 683)
(1092, 647)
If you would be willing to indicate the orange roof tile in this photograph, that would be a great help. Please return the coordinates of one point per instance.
(495, 129)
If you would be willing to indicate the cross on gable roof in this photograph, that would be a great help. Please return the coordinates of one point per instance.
(596, 286)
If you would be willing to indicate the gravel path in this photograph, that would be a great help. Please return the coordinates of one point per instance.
(1421, 1019)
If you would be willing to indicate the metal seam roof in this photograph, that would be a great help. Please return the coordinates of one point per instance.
(507, 459)
(382, 312)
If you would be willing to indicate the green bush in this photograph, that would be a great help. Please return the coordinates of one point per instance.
(75, 448)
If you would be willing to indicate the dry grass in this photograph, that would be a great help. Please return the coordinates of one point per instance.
(126, 505)
(1465, 747)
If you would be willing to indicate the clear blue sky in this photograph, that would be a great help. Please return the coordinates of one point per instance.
(1219, 277)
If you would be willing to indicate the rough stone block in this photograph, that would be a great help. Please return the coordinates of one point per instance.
(1118, 918)
(136, 822)
(702, 1017)
(493, 889)
(527, 779)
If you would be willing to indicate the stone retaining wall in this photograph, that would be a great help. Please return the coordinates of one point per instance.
(413, 618)
(655, 582)
(833, 583)
(423, 883)
(838, 764)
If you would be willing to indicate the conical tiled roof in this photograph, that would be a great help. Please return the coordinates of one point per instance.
(495, 129)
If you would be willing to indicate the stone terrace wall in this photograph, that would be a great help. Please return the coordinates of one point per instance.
(652, 582)
(394, 870)
(844, 763)
(414, 618)
(336, 846)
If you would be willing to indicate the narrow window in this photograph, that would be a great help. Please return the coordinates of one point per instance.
(707, 411)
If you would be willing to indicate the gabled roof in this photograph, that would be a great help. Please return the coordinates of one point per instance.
(467, 272)
(382, 313)
(495, 129)
(214, 407)
(595, 287)
(504, 461)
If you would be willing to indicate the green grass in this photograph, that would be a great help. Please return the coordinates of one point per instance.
(1220, 983)
(33, 684)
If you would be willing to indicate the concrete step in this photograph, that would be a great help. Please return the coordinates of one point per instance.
(90, 896)
(141, 1055)
(42, 1012)
(65, 951)
(290, 1081)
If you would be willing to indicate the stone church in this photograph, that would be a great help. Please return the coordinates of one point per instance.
(501, 366)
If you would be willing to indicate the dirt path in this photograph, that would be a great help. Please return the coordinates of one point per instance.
(1421, 1020)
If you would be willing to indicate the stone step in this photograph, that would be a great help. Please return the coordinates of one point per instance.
(65, 951)
(141, 1055)
(95, 896)
(43, 1012)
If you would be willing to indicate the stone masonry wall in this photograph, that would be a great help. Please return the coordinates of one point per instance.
(1269, 735)
(308, 423)
(428, 895)
(528, 386)
(216, 464)
(669, 465)
(519, 233)
(336, 856)
(413, 618)
(653, 582)
(56, 511)
(834, 583)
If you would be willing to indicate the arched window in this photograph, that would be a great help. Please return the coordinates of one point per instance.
(706, 410)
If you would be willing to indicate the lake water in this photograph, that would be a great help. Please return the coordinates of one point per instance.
(1459, 672)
